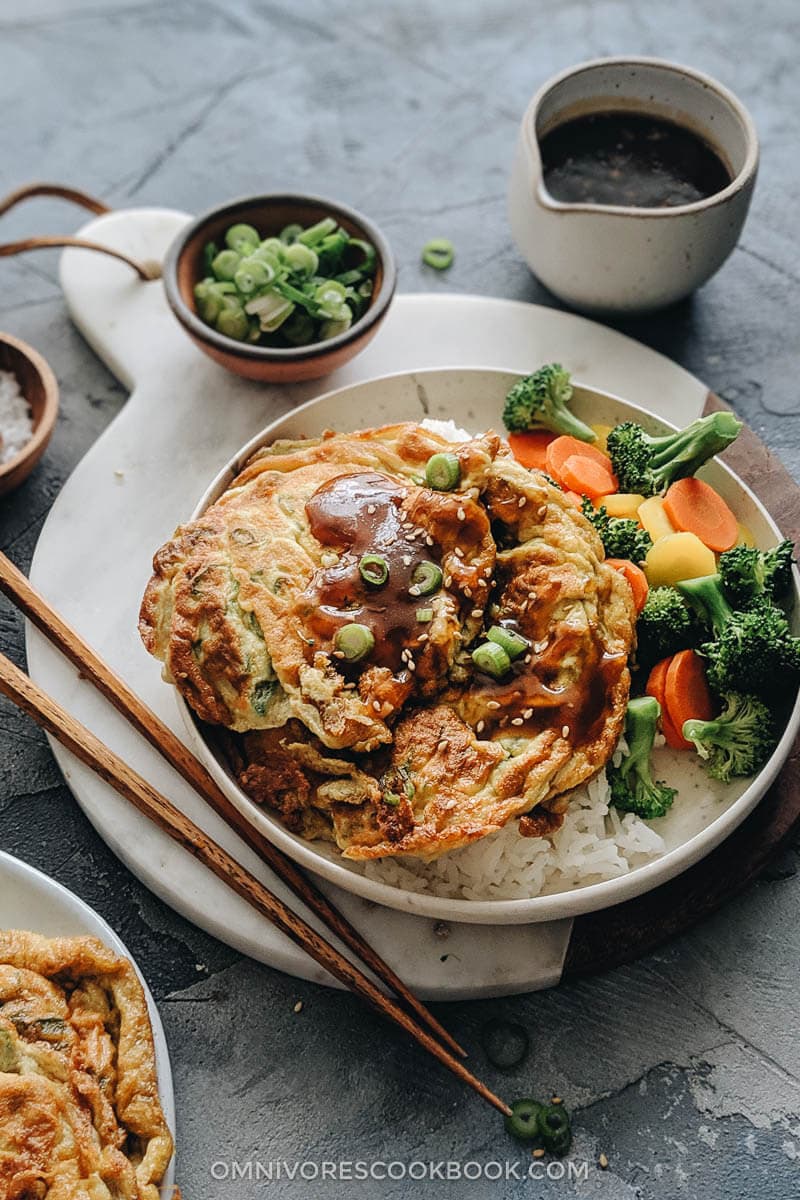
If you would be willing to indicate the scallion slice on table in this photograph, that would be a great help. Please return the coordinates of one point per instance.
(438, 253)
(304, 286)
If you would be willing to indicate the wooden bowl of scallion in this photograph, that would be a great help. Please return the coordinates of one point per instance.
(280, 288)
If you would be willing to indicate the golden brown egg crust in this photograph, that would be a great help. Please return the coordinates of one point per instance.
(417, 753)
(80, 1116)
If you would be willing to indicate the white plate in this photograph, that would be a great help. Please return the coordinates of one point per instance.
(474, 400)
(31, 900)
(183, 419)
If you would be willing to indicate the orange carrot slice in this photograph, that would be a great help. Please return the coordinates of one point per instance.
(656, 686)
(635, 577)
(693, 506)
(562, 448)
(589, 478)
(530, 449)
(686, 692)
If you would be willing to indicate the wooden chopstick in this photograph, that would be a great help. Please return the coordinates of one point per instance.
(90, 750)
(30, 602)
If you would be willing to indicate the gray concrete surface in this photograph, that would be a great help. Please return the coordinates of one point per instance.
(683, 1069)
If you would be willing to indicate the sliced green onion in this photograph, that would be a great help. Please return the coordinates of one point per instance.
(492, 660)
(329, 329)
(424, 615)
(369, 252)
(290, 233)
(242, 238)
(252, 274)
(426, 578)
(232, 320)
(513, 643)
(301, 259)
(374, 569)
(354, 641)
(523, 1124)
(348, 278)
(315, 233)
(391, 798)
(299, 329)
(226, 264)
(438, 253)
(443, 472)
(271, 308)
(210, 252)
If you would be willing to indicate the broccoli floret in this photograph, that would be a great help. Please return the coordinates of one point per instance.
(622, 537)
(647, 465)
(540, 401)
(664, 627)
(752, 651)
(737, 742)
(748, 573)
(633, 788)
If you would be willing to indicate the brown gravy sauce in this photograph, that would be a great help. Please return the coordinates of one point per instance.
(579, 708)
(363, 514)
(629, 159)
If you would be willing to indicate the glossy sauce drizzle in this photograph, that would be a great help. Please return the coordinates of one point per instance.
(528, 699)
(363, 514)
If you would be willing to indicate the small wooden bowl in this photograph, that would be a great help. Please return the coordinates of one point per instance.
(269, 214)
(39, 386)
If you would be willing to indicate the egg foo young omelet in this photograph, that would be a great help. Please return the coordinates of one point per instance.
(80, 1117)
(404, 641)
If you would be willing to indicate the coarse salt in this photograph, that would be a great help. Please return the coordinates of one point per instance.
(16, 420)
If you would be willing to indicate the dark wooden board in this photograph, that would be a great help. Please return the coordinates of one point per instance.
(625, 932)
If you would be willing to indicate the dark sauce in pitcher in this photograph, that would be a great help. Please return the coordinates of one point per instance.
(629, 159)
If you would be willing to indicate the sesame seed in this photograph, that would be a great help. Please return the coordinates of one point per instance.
(517, 721)
(376, 704)
(468, 593)
(338, 654)
(371, 509)
(298, 1007)
(423, 637)
(527, 659)
(487, 572)
(556, 1100)
(532, 597)
(428, 539)
(527, 713)
(448, 579)
(479, 728)
(523, 606)
(492, 704)
(448, 804)
(443, 744)
(459, 553)
(412, 666)
(504, 722)
(477, 612)
(565, 730)
(521, 502)
(407, 560)
(603, 1162)
(462, 516)
(538, 1153)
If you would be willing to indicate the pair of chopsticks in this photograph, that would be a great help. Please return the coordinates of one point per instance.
(55, 720)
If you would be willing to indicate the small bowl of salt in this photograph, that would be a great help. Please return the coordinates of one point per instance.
(28, 410)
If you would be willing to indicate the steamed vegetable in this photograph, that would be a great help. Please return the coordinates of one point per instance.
(648, 465)
(621, 536)
(693, 506)
(542, 401)
(665, 626)
(737, 742)
(752, 651)
(748, 573)
(633, 788)
(635, 578)
(678, 556)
